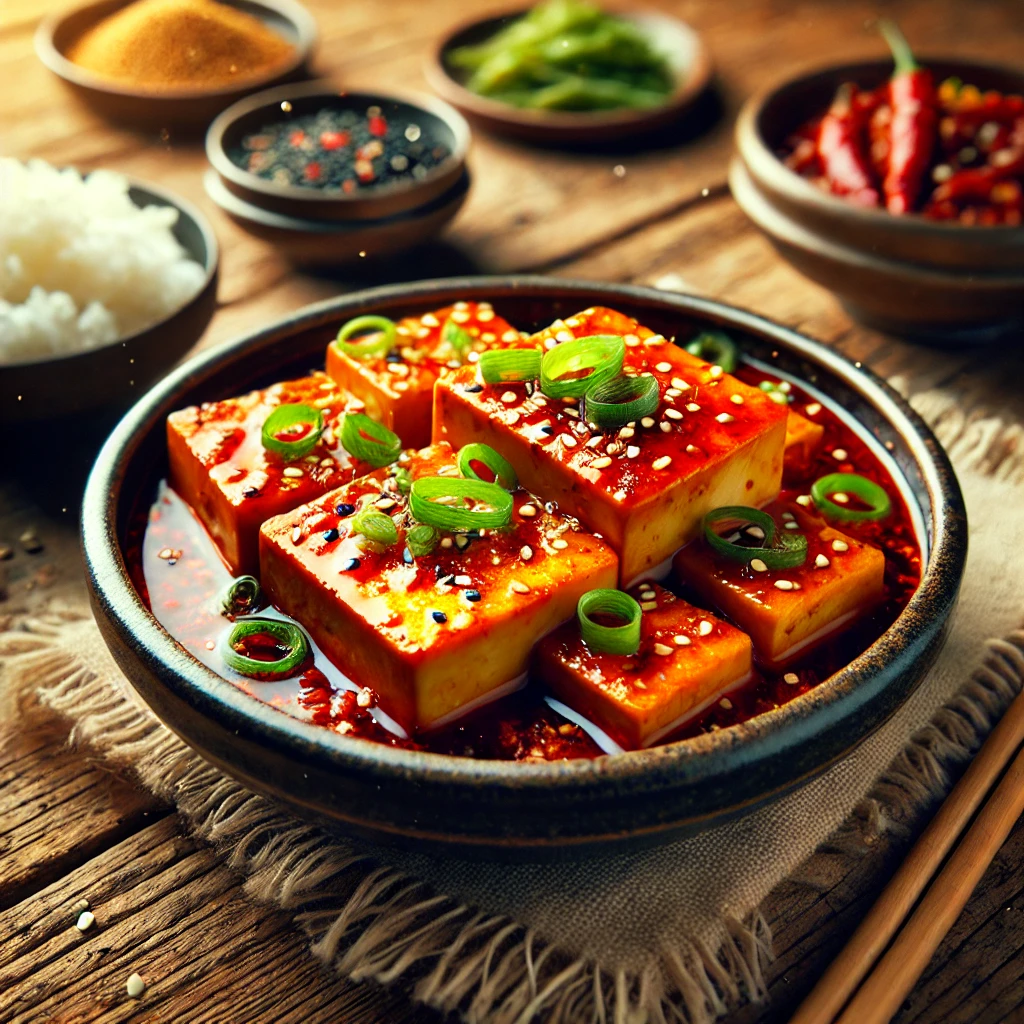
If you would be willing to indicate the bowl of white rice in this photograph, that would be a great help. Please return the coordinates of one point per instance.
(104, 284)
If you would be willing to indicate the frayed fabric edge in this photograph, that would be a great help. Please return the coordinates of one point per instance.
(371, 922)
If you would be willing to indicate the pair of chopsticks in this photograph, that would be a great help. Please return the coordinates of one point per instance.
(875, 969)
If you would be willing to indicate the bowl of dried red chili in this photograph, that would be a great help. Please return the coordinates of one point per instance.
(900, 190)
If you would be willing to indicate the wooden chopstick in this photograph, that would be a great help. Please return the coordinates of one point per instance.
(896, 973)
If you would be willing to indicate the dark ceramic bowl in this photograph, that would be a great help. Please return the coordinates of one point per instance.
(436, 119)
(186, 109)
(911, 275)
(683, 47)
(501, 809)
(116, 374)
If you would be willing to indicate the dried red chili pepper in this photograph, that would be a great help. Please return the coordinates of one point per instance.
(914, 117)
(840, 149)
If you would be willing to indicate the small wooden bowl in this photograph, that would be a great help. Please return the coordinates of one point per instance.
(312, 204)
(945, 283)
(116, 374)
(168, 108)
(324, 242)
(683, 47)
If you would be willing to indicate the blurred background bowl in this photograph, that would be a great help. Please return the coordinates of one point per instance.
(185, 109)
(113, 376)
(938, 281)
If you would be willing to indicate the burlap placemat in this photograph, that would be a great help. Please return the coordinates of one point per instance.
(673, 934)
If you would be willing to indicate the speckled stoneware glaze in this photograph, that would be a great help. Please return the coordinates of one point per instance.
(492, 808)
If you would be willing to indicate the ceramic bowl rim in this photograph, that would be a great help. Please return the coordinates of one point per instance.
(119, 604)
(762, 161)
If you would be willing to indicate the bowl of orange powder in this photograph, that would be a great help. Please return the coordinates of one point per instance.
(175, 64)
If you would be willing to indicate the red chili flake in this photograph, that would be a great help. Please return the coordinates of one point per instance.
(348, 186)
(312, 171)
(296, 138)
(334, 140)
(364, 170)
(378, 126)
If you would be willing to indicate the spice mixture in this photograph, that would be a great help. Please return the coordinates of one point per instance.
(180, 44)
(341, 149)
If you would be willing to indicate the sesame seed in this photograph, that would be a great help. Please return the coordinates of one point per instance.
(664, 367)
(292, 471)
(648, 606)
(822, 562)
(385, 503)
(429, 320)
(679, 384)
(784, 585)
(439, 617)
(785, 386)
(620, 495)
(330, 535)
(724, 417)
(792, 678)
(693, 407)
(568, 440)
(665, 426)
(663, 463)
(758, 565)
(626, 433)
(792, 526)
(574, 413)
(840, 545)
(596, 441)
(663, 649)
(529, 511)
(462, 581)
(804, 499)
(461, 542)
(526, 552)
(495, 560)
(655, 339)
(647, 421)
(344, 509)
(519, 588)
(446, 542)
(564, 336)
(613, 448)
(601, 462)
(85, 921)
(512, 418)
(632, 451)
(841, 497)
(646, 594)
(839, 454)
(705, 627)
(681, 641)
(509, 397)
(691, 448)
(401, 385)
(756, 532)
(471, 595)
(539, 400)
(736, 399)
(135, 986)
(672, 393)
(364, 698)
(559, 545)
(485, 315)
(351, 564)
(715, 372)
(673, 414)
(460, 316)
(812, 410)
(296, 534)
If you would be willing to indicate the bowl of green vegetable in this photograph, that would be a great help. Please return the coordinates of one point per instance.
(567, 71)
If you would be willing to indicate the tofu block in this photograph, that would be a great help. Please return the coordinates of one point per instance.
(687, 659)
(645, 488)
(398, 388)
(436, 635)
(219, 466)
(786, 611)
(802, 439)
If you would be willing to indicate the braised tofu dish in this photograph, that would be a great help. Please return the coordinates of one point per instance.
(526, 541)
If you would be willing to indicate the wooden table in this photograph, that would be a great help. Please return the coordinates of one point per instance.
(165, 904)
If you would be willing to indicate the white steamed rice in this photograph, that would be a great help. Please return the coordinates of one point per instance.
(80, 264)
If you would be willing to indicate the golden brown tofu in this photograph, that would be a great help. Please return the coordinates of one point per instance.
(645, 488)
(435, 635)
(219, 466)
(687, 659)
(802, 439)
(786, 611)
(398, 388)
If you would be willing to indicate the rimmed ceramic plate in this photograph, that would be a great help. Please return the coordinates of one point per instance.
(682, 46)
(502, 809)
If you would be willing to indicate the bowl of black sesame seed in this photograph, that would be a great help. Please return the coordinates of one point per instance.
(318, 153)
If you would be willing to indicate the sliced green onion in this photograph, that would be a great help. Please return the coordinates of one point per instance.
(242, 596)
(369, 441)
(421, 540)
(571, 369)
(441, 501)
(458, 338)
(624, 639)
(285, 420)
(503, 366)
(375, 526)
(850, 483)
(784, 552)
(403, 480)
(380, 335)
(622, 400)
(287, 635)
(715, 347)
(504, 473)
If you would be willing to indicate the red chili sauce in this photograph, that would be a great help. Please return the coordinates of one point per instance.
(180, 575)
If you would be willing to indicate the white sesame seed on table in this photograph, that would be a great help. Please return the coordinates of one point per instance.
(784, 585)
(705, 627)
(663, 463)
(681, 641)
(840, 546)
(601, 463)
(693, 407)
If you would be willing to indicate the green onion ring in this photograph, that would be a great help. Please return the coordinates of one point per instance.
(785, 552)
(375, 525)
(504, 472)
(369, 441)
(504, 366)
(379, 342)
(622, 400)
(282, 419)
(457, 337)
(624, 639)
(715, 347)
(601, 354)
(427, 509)
(242, 596)
(287, 633)
(421, 540)
(867, 490)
